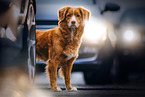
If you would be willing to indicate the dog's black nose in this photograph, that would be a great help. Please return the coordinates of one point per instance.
(73, 22)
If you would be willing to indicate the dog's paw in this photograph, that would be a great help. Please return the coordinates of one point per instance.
(74, 89)
(58, 89)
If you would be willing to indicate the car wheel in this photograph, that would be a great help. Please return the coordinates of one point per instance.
(31, 61)
(121, 71)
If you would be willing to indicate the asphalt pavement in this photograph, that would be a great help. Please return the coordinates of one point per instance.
(77, 80)
(100, 93)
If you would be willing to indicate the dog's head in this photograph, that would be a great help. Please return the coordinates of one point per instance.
(73, 17)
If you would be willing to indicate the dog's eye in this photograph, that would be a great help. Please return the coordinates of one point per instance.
(78, 15)
(69, 15)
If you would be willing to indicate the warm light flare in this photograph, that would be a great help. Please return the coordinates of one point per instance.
(95, 31)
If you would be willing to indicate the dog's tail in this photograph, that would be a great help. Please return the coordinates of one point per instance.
(60, 73)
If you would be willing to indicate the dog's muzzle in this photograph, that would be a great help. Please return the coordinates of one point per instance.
(73, 24)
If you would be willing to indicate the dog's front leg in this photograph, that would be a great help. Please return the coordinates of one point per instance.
(66, 69)
(51, 70)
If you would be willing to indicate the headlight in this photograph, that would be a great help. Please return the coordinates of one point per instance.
(131, 36)
(94, 31)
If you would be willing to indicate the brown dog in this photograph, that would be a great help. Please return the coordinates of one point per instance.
(59, 46)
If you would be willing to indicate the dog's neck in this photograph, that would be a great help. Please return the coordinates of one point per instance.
(71, 34)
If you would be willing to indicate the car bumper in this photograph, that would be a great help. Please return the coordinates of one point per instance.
(86, 64)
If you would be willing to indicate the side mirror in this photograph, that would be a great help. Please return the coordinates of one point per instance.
(110, 7)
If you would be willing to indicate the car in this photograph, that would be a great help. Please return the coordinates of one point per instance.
(17, 35)
(131, 35)
(129, 46)
(96, 54)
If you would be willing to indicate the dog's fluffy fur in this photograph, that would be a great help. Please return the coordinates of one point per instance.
(59, 46)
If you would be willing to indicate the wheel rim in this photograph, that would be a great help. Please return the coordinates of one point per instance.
(31, 42)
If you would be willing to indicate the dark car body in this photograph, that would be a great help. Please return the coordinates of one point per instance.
(128, 24)
(17, 35)
(131, 54)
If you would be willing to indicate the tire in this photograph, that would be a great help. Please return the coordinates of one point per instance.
(121, 72)
(31, 48)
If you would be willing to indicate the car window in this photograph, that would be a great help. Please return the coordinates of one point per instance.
(134, 16)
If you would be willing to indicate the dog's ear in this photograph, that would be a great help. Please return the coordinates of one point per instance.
(62, 13)
(85, 13)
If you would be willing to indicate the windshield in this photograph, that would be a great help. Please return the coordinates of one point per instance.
(136, 16)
